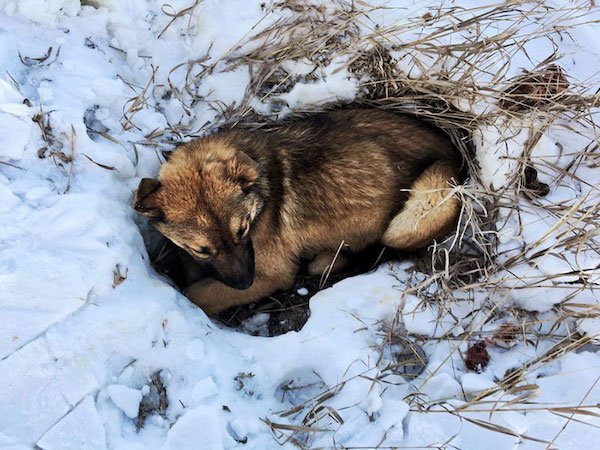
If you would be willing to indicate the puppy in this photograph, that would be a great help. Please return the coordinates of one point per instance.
(249, 205)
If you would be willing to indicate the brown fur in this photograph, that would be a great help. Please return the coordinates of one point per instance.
(255, 203)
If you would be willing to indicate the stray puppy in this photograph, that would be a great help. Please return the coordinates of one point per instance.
(250, 205)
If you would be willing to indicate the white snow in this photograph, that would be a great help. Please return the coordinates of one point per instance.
(195, 350)
(126, 399)
(14, 136)
(78, 350)
(45, 12)
(204, 389)
(198, 428)
(339, 86)
(302, 291)
(475, 382)
(80, 429)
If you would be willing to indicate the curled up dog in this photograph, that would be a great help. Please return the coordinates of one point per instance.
(249, 206)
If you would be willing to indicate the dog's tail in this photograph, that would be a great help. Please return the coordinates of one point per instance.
(430, 211)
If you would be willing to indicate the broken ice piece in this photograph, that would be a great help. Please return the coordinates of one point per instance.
(126, 399)
(204, 388)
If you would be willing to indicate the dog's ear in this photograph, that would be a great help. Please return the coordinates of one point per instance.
(239, 168)
(243, 169)
(145, 201)
(167, 154)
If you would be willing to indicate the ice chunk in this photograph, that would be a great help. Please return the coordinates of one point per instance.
(14, 135)
(204, 388)
(126, 399)
(199, 426)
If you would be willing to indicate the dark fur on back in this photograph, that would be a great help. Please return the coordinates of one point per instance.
(314, 147)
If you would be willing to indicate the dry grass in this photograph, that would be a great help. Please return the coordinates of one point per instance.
(450, 66)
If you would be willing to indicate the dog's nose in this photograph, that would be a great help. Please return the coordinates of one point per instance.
(240, 280)
(245, 282)
(246, 278)
(240, 271)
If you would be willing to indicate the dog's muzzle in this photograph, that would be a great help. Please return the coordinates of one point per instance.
(240, 273)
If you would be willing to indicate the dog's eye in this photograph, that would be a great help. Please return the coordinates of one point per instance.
(203, 251)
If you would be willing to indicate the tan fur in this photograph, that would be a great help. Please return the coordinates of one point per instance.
(429, 211)
(327, 261)
(298, 191)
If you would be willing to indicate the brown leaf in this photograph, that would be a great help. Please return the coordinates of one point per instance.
(534, 186)
(534, 89)
(506, 335)
(118, 276)
(477, 357)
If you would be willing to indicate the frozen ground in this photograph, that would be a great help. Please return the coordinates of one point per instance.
(86, 324)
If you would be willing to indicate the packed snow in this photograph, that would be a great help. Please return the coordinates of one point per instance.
(88, 325)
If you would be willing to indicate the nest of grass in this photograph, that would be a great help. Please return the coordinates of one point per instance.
(449, 66)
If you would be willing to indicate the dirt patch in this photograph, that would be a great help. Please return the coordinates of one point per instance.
(154, 402)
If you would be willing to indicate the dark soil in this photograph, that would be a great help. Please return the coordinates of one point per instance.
(154, 402)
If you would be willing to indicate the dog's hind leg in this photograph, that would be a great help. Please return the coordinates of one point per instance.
(429, 212)
(326, 259)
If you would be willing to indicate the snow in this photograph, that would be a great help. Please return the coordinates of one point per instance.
(474, 382)
(78, 351)
(14, 138)
(44, 12)
(80, 429)
(126, 399)
(204, 389)
(33, 405)
(443, 385)
(339, 86)
(199, 428)
(195, 350)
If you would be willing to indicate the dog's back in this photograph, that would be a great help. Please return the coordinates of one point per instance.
(351, 168)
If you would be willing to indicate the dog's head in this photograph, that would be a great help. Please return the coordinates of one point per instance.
(205, 201)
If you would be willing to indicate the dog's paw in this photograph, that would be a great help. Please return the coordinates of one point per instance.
(204, 293)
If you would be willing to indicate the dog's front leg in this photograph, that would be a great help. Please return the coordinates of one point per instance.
(213, 296)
